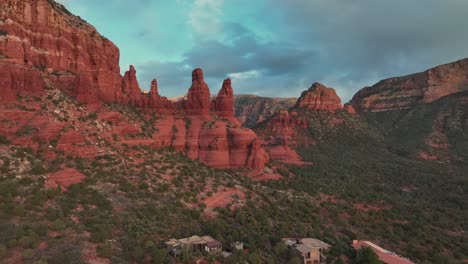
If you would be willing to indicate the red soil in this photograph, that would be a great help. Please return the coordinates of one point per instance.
(64, 178)
(223, 198)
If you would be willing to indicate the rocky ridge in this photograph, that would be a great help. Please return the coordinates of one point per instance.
(403, 93)
(251, 109)
(43, 47)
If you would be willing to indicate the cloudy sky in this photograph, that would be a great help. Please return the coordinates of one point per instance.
(279, 47)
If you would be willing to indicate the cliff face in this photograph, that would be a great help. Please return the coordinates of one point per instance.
(43, 48)
(41, 37)
(423, 113)
(408, 91)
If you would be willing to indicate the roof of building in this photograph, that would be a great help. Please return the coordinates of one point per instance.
(207, 238)
(213, 243)
(315, 243)
(192, 240)
(304, 249)
(172, 241)
(383, 254)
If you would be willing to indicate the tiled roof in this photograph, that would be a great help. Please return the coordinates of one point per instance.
(383, 254)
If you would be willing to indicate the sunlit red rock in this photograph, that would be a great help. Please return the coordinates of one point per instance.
(64, 178)
(198, 98)
(45, 46)
(408, 91)
(319, 97)
(42, 35)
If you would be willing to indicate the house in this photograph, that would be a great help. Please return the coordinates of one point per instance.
(174, 247)
(309, 249)
(308, 254)
(237, 245)
(213, 246)
(193, 244)
(384, 255)
(322, 246)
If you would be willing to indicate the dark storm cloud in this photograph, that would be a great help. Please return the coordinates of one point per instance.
(345, 44)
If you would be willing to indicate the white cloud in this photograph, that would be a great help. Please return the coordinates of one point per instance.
(205, 18)
(245, 75)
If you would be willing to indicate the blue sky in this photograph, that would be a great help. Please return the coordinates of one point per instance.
(279, 47)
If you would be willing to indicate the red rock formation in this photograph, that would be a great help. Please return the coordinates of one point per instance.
(154, 94)
(130, 87)
(16, 80)
(198, 99)
(282, 132)
(84, 90)
(350, 109)
(64, 178)
(245, 149)
(42, 34)
(319, 97)
(157, 102)
(212, 142)
(224, 103)
(45, 45)
(408, 91)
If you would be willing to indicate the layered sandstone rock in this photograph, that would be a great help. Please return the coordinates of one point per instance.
(198, 99)
(215, 143)
(408, 91)
(130, 87)
(224, 102)
(319, 97)
(64, 178)
(43, 46)
(282, 133)
(42, 35)
(17, 80)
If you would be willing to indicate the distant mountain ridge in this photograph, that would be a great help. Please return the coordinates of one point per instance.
(252, 109)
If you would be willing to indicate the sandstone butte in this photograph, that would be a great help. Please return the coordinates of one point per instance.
(283, 131)
(43, 46)
(408, 91)
(319, 97)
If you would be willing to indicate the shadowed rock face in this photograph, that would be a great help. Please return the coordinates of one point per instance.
(252, 109)
(408, 91)
(43, 45)
(319, 97)
(224, 103)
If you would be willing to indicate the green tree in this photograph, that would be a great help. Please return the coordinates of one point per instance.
(367, 256)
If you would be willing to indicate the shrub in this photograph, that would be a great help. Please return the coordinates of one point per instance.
(93, 116)
(4, 140)
(3, 250)
(3, 33)
(105, 251)
(367, 256)
(58, 225)
(26, 130)
(28, 254)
